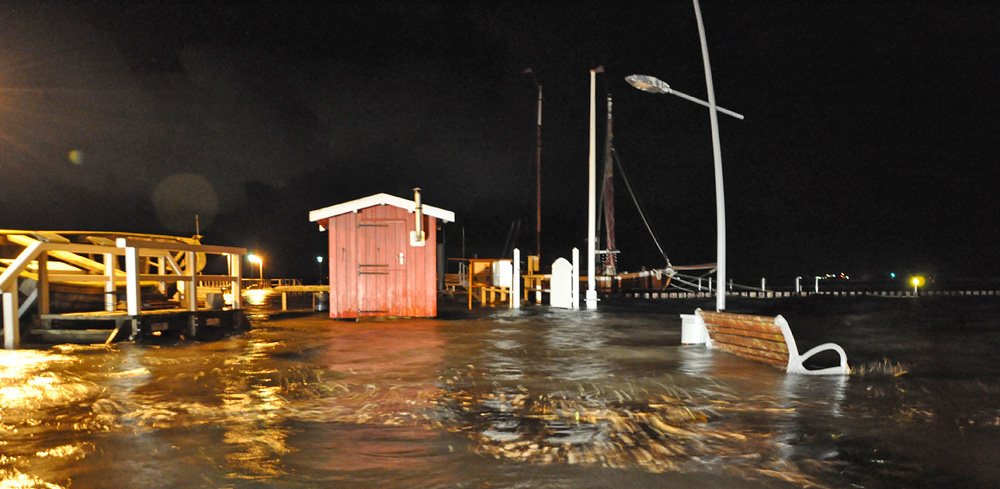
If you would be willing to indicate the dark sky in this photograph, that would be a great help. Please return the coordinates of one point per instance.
(869, 145)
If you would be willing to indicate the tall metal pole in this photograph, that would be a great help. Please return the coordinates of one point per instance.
(538, 166)
(592, 194)
(538, 178)
(720, 200)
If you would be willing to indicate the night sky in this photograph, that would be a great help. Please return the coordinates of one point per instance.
(869, 144)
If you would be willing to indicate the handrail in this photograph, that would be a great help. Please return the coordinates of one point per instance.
(161, 245)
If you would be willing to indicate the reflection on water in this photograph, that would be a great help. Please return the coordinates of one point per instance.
(525, 398)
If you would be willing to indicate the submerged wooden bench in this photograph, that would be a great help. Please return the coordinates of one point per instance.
(766, 339)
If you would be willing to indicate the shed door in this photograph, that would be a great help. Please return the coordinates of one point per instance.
(381, 266)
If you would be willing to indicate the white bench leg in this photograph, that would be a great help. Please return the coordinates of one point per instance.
(795, 363)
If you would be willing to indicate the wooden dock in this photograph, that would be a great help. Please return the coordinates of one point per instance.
(142, 265)
(284, 290)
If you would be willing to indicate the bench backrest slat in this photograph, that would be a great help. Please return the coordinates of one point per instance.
(765, 351)
(746, 335)
(768, 357)
(778, 337)
(751, 322)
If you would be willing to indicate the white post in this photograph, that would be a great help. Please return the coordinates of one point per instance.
(720, 200)
(699, 284)
(515, 283)
(762, 284)
(816, 287)
(709, 285)
(538, 285)
(798, 284)
(161, 269)
(592, 197)
(110, 288)
(575, 292)
(133, 294)
(11, 325)
(236, 271)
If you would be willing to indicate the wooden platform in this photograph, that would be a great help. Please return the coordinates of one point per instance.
(284, 290)
(128, 263)
(105, 327)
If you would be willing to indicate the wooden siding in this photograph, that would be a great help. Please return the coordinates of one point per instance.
(373, 269)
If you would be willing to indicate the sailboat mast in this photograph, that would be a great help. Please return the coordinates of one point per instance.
(610, 261)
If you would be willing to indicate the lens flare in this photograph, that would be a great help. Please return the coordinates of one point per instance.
(76, 157)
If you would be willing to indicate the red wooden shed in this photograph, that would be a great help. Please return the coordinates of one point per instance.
(383, 256)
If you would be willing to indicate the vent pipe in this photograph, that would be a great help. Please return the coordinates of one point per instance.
(417, 236)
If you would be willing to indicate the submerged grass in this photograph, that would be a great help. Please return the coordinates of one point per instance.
(882, 368)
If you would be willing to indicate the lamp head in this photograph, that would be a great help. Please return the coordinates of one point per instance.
(648, 83)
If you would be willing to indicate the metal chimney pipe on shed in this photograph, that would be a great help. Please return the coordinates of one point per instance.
(418, 212)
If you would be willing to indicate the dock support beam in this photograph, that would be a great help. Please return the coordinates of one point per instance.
(43, 283)
(236, 271)
(110, 288)
(191, 294)
(193, 325)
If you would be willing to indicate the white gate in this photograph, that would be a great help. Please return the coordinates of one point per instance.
(561, 285)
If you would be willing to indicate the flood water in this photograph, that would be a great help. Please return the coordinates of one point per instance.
(536, 398)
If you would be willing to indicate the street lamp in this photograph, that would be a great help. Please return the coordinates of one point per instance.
(651, 84)
(655, 85)
(260, 263)
(319, 263)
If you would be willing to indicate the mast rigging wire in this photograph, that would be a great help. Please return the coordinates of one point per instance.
(614, 152)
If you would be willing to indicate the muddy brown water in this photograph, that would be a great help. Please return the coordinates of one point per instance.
(521, 399)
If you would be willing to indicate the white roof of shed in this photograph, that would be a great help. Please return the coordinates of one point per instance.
(378, 199)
